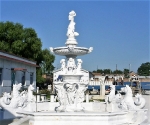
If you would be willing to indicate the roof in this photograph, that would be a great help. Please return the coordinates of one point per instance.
(132, 73)
(12, 57)
(96, 74)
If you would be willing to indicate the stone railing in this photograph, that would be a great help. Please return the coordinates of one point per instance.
(95, 83)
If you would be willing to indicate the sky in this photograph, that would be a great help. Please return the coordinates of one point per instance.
(117, 30)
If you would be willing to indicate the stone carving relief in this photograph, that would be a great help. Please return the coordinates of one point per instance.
(18, 99)
(61, 97)
(6, 98)
(30, 95)
(70, 96)
(127, 103)
(71, 90)
(71, 65)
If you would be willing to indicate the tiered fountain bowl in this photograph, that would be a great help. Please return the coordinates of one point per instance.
(68, 51)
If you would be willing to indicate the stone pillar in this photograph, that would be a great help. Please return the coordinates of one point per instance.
(38, 97)
(102, 91)
(43, 97)
(87, 97)
(37, 89)
(52, 98)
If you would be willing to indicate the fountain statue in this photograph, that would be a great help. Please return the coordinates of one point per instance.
(70, 83)
(128, 103)
(71, 33)
(17, 100)
(74, 80)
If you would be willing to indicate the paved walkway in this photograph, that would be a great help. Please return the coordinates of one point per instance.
(147, 106)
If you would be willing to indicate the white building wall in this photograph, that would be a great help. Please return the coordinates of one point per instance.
(30, 70)
(6, 76)
(6, 66)
(27, 77)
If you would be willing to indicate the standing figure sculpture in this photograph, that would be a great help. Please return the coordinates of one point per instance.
(71, 33)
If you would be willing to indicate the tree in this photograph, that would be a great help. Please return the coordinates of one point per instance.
(117, 72)
(39, 78)
(16, 39)
(32, 45)
(94, 71)
(100, 71)
(144, 69)
(48, 59)
(107, 71)
(9, 33)
(126, 73)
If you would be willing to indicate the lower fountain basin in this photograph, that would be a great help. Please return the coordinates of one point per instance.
(85, 118)
(93, 114)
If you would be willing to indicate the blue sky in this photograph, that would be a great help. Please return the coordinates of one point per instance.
(117, 30)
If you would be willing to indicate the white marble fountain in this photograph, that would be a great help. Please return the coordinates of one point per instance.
(71, 82)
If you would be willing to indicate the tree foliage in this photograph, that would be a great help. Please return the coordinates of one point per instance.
(16, 39)
(99, 71)
(107, 71)
(117, 72)
(46, 65)
(126, 73)
(103, 71)
(39, 78)
(144, 69)
(20, 41)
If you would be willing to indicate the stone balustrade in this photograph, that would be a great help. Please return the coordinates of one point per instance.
(95, 83)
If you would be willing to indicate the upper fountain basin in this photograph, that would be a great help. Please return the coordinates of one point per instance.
(71, 51)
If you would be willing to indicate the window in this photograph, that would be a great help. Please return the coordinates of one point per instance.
(23, 78)
(31, 78)
(0, 76)
(13, 73)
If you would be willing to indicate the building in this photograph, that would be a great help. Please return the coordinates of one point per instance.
(13, 70)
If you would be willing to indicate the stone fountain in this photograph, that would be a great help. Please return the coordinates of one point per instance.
(70, 83)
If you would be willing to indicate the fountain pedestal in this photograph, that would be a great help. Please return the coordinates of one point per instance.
(70, 93)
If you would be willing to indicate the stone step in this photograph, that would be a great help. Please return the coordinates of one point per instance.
(19, 121)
